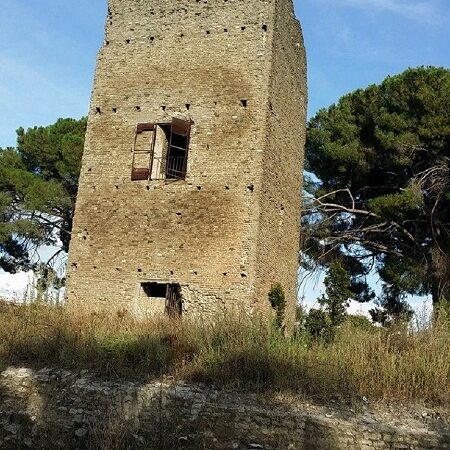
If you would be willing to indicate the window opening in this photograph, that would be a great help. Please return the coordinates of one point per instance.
(169, 293)
(160, 151)
(154, 290)
(178, 150)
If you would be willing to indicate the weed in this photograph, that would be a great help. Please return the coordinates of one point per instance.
(390, 364)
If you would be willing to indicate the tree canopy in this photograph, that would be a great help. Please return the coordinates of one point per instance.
(380, 198)
(338, 294)
(38, 188)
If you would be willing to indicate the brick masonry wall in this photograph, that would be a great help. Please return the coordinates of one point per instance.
(221, 64)
(280, 201)
(55, 409)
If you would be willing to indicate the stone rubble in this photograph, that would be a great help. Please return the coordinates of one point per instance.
(61, 409)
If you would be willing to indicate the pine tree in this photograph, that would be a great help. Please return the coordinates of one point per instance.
(338, 294)
(38, 188)
(382, 200)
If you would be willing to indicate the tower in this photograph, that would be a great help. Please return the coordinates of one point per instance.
(190, 189)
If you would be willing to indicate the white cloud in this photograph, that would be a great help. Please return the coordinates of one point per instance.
(15, 287)
(359, 309)
(20, 286)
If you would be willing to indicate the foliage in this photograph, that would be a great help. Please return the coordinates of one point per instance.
(234, 351)
(48, 284)
(444, 312)
(38, 187)
(277, 300)
(318, 324)
(391, 307)
(360, 322)
(381, 156)
(337, 294)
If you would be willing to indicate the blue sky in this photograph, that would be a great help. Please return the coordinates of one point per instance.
(48, 48)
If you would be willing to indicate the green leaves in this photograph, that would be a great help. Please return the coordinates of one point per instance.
(277, 300)
(382, 156)
(398, 206)
(38, 186)
(337, 294)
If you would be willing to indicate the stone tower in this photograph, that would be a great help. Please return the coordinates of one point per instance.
(189, 198)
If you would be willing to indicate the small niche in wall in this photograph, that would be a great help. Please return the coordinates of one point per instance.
(166, 298)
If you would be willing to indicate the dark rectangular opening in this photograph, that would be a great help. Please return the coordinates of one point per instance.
(171, 293)
(154, 290)
(178, 149)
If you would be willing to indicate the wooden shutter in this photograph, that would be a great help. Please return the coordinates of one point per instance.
(173, 300)
(141, 127)
(181, 127)
(143, 157)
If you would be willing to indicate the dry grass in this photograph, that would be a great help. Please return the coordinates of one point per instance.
(378, 364)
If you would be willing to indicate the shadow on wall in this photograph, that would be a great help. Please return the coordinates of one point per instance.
(63, 410)
(98, 415)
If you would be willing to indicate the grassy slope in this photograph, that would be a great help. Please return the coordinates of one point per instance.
(235, 352)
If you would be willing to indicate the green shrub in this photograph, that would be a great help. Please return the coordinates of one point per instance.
(277, 300)
(318, 324)
(360, 322)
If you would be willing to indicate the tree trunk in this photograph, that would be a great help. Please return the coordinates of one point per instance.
(440, 277)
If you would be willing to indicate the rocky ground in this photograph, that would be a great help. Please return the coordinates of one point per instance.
(58, 409)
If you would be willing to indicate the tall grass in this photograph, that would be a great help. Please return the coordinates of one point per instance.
(393, 364)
